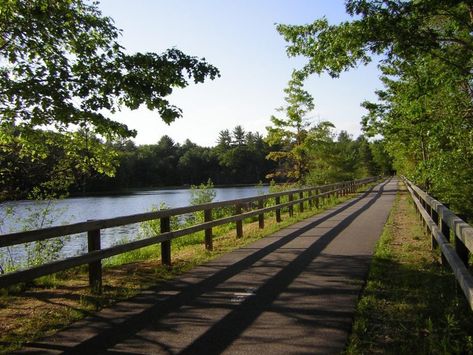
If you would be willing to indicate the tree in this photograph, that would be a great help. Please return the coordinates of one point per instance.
(395, 29)
(59, 161)
(258, 149)
(381, 158)
(425, 111)
(366, 163)
(345, 157)
(320, 145)
(290, 133)
(197, 165)
(61, 66)
(224, 140)
(426, 118)
(243, 160)
(239, 135)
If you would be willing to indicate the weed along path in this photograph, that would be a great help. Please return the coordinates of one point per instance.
(292, 292)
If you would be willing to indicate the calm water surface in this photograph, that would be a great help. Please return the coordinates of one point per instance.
(24, 215)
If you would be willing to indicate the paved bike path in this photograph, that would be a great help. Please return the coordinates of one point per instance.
(292, 292)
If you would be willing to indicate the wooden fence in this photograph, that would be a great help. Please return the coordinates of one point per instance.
(448, 232)
(243, 208)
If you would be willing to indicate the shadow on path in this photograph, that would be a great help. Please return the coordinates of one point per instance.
(221, 334)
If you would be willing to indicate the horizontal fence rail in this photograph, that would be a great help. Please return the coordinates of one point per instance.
(448, 232)
(243, 208)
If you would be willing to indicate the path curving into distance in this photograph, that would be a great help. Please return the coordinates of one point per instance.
(293, 292)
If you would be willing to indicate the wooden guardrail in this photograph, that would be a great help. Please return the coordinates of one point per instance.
(243, 208)
(448, 232)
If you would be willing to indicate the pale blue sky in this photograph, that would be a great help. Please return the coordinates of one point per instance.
(238, 37)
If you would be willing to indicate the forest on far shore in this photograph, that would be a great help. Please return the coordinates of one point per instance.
(239, 157)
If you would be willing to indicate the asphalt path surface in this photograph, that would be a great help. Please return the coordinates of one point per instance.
(293, 292)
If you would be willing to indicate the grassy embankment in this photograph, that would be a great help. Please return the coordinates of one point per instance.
(53, 302)
(411, 304)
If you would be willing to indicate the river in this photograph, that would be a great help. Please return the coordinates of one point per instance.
(25, 215)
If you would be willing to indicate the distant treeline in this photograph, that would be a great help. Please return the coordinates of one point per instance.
(239, 157)
(82, 163)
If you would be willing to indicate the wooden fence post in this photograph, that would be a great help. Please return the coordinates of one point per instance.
(415, 205)
(95, 267)
(438, 221)
(208, 231)
(445, 229)
(417, 208)
(430, 211)
(317, 191)
(301, 204)
(239, 224)
(424, 223)
(278, 210)
(461, 250)
(165, 224)
(261, 216)
(291, 207)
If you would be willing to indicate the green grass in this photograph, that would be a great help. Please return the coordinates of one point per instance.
(411, 304)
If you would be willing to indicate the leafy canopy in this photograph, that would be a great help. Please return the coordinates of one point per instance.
(61, 65)
(425, 111)
(393, 28)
